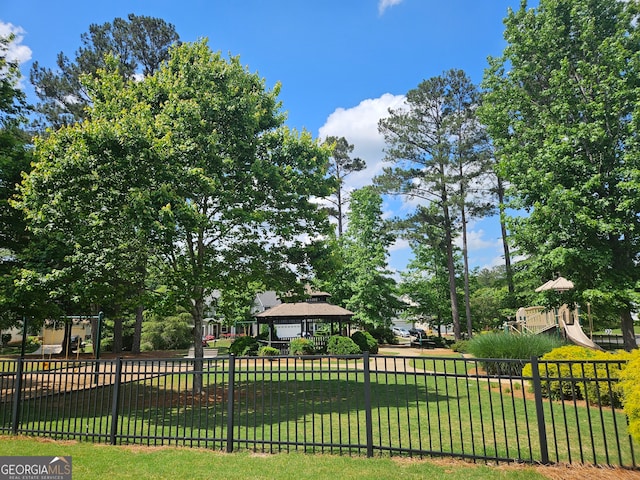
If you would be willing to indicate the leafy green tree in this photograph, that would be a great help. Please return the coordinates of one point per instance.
(240, 186)
(425, 282)
(140, 43)
(167, 333)
(490, 299)
(368, 289)
(235, 303)
(470, 161)
(562, 107)
(340, 166)
(436, 146)
(196, 170)
(94, 191)
(15, 158)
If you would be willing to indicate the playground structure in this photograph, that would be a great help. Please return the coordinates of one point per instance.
(540, 320)
(563, 320)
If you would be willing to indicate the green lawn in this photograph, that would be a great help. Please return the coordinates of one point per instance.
(99, 462)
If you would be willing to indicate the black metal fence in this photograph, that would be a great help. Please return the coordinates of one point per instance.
(610, 341)
(356, 405)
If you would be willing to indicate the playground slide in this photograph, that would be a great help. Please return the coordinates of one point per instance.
(574, 333)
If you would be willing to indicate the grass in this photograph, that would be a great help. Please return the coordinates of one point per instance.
(99, 462)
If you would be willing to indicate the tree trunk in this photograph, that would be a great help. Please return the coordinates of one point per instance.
(137, 331)
(505, 241)
(197, 312)
(66, 339)
(465, 257)
(117, 334)
(628, 333)
(453, 294)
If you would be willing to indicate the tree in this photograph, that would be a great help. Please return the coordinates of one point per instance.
(434, 140)
(340, 166)
(470, 161)
(15, 158)
(367, 286)
(92, 189)
(196, 170)
(426, 282)
(240, 186)
(140, 43)
(561, 105)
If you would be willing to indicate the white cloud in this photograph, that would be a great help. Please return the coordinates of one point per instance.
(359, 125)
(16, 52)
(384, 4)
(476, 240)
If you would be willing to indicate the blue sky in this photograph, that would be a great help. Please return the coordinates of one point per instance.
(341, 63)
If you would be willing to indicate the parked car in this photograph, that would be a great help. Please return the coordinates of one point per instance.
(75, 342)
(400, 332)
(417, 332)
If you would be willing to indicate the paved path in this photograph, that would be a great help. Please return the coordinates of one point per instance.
(207, 353)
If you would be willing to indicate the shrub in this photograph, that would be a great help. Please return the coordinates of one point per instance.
(6, 338)
(572, 377)
(301, 346)
(166, 333)
(629, 388)
(512, 347)
(461, 346)
(338, 345)
(365, 341)
(268, 351)
(244, 346)
(384, 335)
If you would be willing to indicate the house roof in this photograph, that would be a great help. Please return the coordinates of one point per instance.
(306, 310)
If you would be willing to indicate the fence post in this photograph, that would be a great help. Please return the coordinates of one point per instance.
(367, 405)
(542, 428)
(230, 401)
(116, 401)
(17, 393)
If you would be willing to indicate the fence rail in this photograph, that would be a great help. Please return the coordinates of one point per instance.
(355, 405)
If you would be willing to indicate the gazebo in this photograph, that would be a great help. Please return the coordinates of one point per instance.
(309, 314)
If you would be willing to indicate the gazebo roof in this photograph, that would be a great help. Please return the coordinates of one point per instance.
(306, 310)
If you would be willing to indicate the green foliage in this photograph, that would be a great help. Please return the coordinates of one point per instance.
(189, 172)
(301, 346)
(340, 166)
(267, 351)
(571, 383)
(629, 387)
(264, 332)
(141, 44)
(363, 282)
(365, 341)
(437, 148)
(166, 333)
(512, 347)
(563, 110)
(244, 346)
(460, 346)
(236, 301)
(383, 335)
(339, 345)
